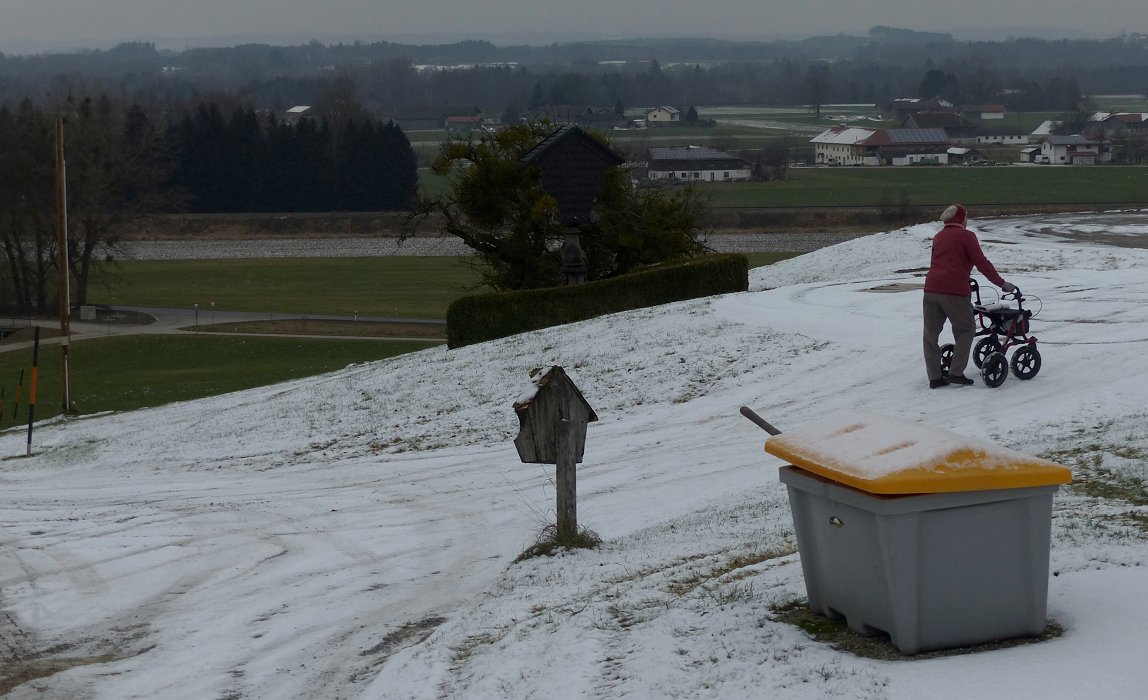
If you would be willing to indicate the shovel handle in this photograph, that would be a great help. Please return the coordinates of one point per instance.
(759, 421)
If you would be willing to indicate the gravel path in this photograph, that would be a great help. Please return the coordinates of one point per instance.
(375, 247)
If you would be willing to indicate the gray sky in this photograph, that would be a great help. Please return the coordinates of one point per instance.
(94, 23)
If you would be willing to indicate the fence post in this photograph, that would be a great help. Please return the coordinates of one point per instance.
(566, 480)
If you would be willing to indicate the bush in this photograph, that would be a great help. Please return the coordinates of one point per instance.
(482, 317)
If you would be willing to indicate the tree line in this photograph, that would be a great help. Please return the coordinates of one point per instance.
(1024, 74)
(124, 162)
(239, 163)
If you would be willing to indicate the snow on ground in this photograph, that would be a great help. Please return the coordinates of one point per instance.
(353, 535)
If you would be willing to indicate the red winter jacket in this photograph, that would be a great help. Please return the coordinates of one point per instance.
(955, 253)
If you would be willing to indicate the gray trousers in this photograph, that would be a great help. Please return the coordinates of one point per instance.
(959, 312)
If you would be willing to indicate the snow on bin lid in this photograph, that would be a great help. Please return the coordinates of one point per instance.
(882, 455)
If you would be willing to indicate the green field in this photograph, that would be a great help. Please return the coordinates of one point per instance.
(122, 373)
(404, 287)
(873, 186)
(925, 186)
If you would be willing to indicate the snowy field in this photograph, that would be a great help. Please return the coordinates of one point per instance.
(352, 535)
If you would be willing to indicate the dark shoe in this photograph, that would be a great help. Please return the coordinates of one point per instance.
(938, 383)
(958, 379)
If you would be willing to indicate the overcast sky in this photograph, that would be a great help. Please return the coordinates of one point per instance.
(171, 23)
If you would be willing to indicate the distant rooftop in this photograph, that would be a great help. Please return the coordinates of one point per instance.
(686, 153)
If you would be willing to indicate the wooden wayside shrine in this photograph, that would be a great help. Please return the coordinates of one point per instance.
(552, 430)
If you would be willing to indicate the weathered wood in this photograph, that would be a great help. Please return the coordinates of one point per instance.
(557, 399)
(553, 420)
(565, 479)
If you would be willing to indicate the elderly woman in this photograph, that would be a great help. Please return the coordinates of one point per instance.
(956, 252)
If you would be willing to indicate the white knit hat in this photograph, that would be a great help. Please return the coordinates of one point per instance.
(955, 214)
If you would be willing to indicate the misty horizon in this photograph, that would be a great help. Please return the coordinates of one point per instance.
(168, 42)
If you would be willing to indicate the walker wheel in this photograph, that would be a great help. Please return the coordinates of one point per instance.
(1026, 362)
(985, 347)
(995, 369)
(947, 357)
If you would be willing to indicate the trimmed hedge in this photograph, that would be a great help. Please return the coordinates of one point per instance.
(482, 317)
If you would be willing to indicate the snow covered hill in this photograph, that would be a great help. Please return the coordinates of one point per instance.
(352, 535)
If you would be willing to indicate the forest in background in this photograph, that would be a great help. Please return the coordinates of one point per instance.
(884, 64)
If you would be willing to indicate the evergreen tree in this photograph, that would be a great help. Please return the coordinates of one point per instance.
(398, 165)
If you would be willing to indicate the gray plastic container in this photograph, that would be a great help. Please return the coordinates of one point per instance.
(933, 571)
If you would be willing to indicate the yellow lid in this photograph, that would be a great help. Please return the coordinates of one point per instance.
(883, 455)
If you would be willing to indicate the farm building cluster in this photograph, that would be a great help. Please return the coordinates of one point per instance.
(933, 132)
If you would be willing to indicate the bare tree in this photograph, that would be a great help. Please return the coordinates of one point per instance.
(116, 171)
(817, 81)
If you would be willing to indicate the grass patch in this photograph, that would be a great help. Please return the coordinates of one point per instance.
(936, 187)
(764, 259)
(392, 286)
(1091, 478)
(549, 543)
(123, 373)
(321, 327)
(836, 633)
(17, 673)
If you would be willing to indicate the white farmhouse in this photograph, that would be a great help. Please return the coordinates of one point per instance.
(844, 145)
(848, 145)
(663, 115)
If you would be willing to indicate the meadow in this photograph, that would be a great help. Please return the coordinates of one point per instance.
(118, 373)
(932, 186)
(123, 373)
(404, 287)
(924, 186)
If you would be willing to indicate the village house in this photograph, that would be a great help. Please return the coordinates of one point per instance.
(902, 107)
(596, 118)
(1072, 149)
(696, 164)
(663, 115)
(957, 128)
(1043, 129)
(429, 117)
(463, 123)
(1109, 124)
(1003, 136)
(987, 112)
(293, 115)
(845, 145)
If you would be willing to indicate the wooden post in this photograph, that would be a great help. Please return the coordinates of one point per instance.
(566, 481)
(64, 273)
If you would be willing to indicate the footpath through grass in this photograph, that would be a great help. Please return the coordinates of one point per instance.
(122, 373)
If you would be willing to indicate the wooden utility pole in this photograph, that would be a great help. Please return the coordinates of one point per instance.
(64, 273)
